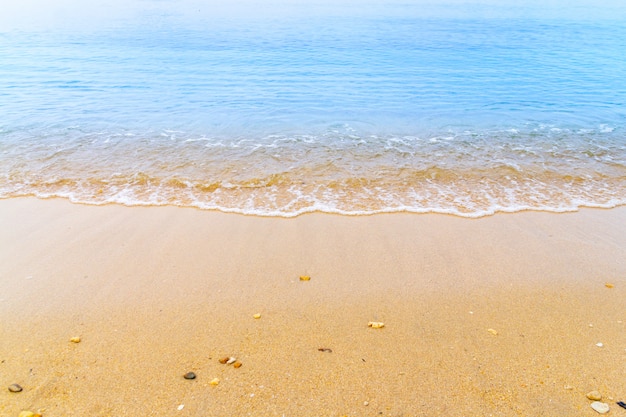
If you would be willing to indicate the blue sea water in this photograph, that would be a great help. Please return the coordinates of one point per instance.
(462, 107)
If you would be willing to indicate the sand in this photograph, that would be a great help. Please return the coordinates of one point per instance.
(155, 292)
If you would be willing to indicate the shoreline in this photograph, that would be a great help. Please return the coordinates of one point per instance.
(278, 214)
(155, 292)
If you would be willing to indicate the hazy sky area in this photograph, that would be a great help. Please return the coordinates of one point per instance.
(81, 14)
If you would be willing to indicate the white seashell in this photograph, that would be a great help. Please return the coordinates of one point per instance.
(601, 408)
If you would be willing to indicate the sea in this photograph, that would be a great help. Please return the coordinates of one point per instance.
(284, 107)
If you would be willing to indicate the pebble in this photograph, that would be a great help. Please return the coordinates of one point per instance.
(215, 381)
(600, 344)
(180, 407)
(75, 339)
(376, 324)
(601, 408)
(257, 316)
(493, 332)
(594, 396)
(27, 413)
(189, 375)
(609, 285)
(15, 388)
(231, 360)
(237, 364)
(305, 278)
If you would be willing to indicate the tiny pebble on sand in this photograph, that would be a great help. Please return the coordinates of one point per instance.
(15, 388)
(594, 395)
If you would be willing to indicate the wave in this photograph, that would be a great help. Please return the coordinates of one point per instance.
(339, 170)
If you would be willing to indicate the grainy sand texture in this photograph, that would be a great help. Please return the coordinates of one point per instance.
(510, 315)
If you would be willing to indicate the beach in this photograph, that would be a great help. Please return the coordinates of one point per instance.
(511, 314)
(331, 208)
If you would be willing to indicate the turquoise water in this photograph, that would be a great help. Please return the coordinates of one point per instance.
(467, 108)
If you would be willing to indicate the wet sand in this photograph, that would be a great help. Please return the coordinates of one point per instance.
(155, 292)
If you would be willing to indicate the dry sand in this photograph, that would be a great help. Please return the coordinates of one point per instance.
(156, 292)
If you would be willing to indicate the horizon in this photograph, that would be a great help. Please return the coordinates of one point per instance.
(75, 15)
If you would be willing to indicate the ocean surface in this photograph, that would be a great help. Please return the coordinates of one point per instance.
(278, 109)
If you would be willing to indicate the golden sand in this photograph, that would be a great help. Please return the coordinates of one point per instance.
(506, 315)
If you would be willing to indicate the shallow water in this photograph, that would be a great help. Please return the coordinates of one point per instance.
(467, 109)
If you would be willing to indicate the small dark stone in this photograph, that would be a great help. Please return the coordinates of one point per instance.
(15, 388)
(190, 375)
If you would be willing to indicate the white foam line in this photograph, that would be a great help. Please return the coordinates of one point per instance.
(319, 208)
